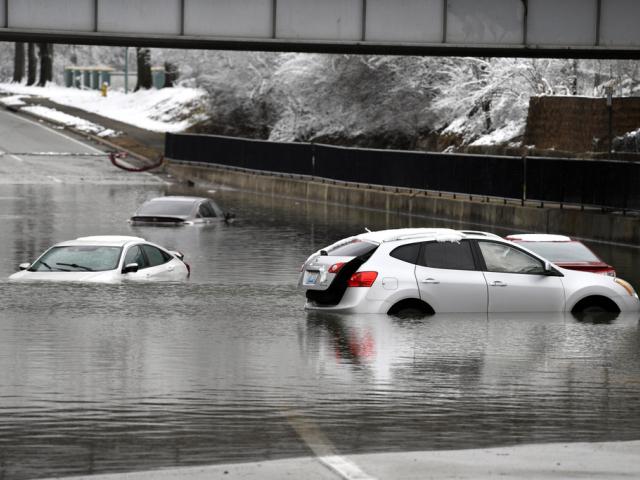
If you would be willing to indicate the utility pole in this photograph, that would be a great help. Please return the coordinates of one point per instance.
(610, 112)
(126, 69)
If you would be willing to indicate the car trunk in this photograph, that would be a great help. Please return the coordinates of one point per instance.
(158, 220)
(325, 276)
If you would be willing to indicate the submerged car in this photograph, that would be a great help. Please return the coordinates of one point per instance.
(450, 271)
(177, 210)
(107, 259)
(564, 252)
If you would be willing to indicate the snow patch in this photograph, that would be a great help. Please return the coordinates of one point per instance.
(165, 110)
(13, 101)
(69, 120)
(501, 135)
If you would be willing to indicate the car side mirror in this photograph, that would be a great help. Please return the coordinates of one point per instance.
(130, 268)
(550, 271)
(24, 266)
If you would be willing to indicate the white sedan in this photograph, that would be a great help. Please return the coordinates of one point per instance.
(105, 259)
(450, 271)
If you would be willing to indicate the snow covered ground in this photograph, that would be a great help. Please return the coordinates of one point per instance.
(164, 110)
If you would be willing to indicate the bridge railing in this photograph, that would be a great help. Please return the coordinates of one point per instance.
(606, 184)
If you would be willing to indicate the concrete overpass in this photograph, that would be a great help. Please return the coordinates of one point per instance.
(534, 28)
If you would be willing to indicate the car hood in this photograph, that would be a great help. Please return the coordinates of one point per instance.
(106, 277)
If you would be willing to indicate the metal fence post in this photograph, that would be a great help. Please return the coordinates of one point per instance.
(524, 179)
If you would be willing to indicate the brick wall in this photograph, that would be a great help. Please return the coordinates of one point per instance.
(572, 123)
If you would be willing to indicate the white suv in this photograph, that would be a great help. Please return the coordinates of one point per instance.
(449, 271)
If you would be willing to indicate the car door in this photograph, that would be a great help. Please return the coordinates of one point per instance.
(135, 255)
(517, 281)
(161, 266)
(448, 278)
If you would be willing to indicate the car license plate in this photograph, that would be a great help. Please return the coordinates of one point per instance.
(312, 278)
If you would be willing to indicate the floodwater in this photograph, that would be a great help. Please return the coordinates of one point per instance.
(108, 378)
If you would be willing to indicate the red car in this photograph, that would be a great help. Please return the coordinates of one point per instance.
(564, 252)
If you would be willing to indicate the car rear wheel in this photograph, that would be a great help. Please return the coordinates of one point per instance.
(411, 308)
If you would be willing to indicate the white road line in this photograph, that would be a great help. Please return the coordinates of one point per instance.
(16, 158)
(57, 180)
(324, 450)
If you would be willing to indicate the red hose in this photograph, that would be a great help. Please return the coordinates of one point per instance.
(115, 155)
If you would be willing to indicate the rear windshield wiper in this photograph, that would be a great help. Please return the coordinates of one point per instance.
(75, 265)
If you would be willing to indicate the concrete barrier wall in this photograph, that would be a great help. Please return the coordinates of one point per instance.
(586, 224)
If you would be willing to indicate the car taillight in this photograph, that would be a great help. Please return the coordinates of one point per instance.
(336, 267)
(362, 279)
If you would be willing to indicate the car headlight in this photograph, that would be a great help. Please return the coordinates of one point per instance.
(627, 286)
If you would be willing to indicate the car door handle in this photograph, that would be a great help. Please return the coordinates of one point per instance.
(170, 269)
(498, 283)
(432, 281)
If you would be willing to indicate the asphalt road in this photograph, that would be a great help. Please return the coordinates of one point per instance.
(228, 369)
(31, 152)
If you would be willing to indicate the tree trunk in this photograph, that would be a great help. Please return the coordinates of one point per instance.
(143, 57)
(18, 62)
(32, 66)
(46, 63)
(171, 74)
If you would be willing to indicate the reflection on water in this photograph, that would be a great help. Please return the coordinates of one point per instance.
(98, 378)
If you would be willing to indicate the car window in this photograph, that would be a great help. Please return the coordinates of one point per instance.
(499, 257)
(449, 255)
(353, 249)
(215, 208)
(166, 207)
(135, 255)
(155, 256)
(206, 211)
(407, 253)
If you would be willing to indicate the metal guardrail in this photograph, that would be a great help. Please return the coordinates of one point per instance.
(605, 184)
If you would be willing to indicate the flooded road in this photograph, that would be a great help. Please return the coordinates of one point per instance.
(225, 367)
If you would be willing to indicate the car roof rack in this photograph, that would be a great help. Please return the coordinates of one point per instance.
(481, 234)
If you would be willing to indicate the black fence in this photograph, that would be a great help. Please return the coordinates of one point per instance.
(600, 183)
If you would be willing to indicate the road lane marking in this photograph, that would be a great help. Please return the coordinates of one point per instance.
(16, 158)
(324, 450)
(60, 134)
(57, 180)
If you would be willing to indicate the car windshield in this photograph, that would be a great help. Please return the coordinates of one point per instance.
(79, 258)
(166, 207)
(562, 251)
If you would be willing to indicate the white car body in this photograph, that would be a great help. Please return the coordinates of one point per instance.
(172, 268)
(484, 286)
(179, 210)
